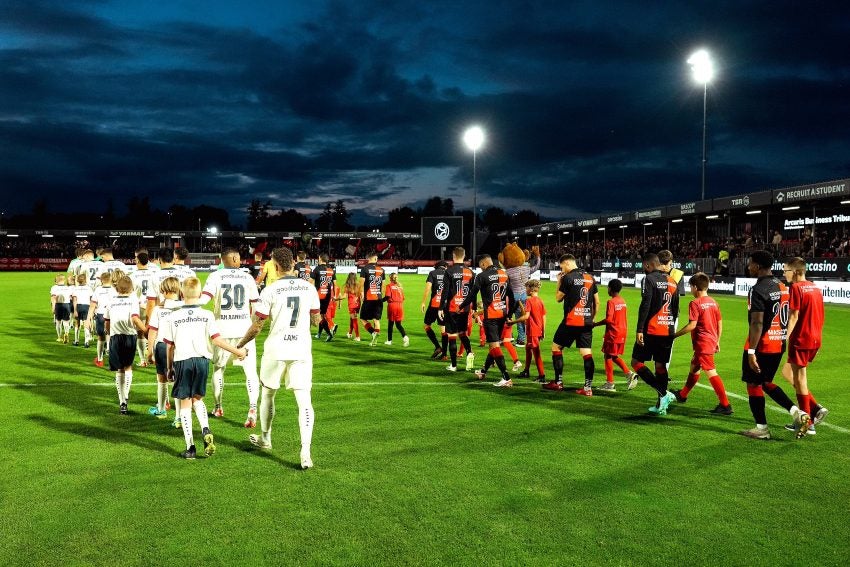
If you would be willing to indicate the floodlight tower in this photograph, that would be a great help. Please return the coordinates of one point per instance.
(474, 139)
(702, 68)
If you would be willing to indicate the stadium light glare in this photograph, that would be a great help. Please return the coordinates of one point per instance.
(47, 236)
(601, 228)
(792, 208)
(539, 235)
(712, 216)
(677, 220)
(845, 202)
(585, 230)
(566, 232)
(702, 69)
(623, 226)
(148, 236)
(12, 235)
(755, 212)
(213, 230)
(647, 224)
(473, 137)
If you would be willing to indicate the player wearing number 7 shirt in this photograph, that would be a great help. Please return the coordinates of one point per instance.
(233, 292)
(292, 304)
(656, 328)
(577, 291)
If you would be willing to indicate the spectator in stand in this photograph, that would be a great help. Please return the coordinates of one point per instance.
(776, 242)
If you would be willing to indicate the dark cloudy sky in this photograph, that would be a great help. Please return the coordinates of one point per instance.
(589, 106)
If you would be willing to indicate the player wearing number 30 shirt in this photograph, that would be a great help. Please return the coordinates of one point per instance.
(233, 292)
(292, 304)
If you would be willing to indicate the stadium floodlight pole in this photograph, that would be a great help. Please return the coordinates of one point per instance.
(473, 137)
(702, 68)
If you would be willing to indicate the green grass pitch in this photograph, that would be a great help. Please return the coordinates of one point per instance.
(414, 465)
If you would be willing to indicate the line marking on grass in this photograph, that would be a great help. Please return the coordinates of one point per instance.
(149, 384)
(368, 384)
(774, 408)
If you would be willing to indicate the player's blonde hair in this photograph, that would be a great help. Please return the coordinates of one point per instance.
(60, 278)
(394, 278)
(123, 284)
(170, 285)
(106, 278)
(81, 279)
(117, 274)
(797, 264)
(192, 287)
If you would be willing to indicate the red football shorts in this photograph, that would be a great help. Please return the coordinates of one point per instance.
(533, 342)
(611, 348)
(801, 356)
(704, 361)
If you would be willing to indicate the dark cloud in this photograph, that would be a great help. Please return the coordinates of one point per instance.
(587, 108)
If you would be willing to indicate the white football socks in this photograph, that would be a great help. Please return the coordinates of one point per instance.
(119, 385)
(267, 413)
(128, 381)
(218, 383)
(201, 412)
(252, 383)
(306, 417)
(100, 348)
(161, 395)
(186, 422)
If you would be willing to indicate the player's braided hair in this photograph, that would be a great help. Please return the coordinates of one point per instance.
(283, 258)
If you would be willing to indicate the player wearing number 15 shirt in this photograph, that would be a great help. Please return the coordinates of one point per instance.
(233, 292)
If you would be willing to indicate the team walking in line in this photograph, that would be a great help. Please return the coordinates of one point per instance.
(154, 310)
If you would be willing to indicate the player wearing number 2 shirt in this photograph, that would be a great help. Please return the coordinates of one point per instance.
(233, 292)
(767, 313)
(498, 301)
(577, 291)
(656, 328)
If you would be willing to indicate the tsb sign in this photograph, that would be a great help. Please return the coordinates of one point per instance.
(442, 231)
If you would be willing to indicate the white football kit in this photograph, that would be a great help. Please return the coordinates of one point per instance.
(288, 350)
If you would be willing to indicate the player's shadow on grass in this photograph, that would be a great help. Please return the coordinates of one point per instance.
(246, 447)
(620, 407)
(111, 435)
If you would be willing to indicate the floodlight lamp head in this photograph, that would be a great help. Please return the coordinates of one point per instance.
(702, 66)
(474, 138)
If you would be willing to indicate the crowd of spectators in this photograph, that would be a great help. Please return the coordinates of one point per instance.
(827, 242)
